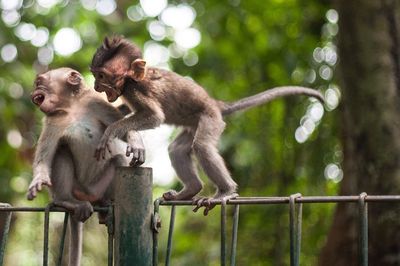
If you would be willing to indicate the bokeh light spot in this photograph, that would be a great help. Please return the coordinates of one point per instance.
(153, 8)
(9, 52)
(135, 13)
(188, 38)
(157, 30)
(106, 7)
(48, 3)
(11, 17)
(67, 41)
(190, 58)
(332, 16)
(45, 55)
(11, 4)
(41, 37)
(333, 172)
(155, 54)
(15, 90)
(89, 4)
(14, 138)
(25, 31)
(179, 17)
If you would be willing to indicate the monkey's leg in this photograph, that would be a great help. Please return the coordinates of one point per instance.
(180, 152)
(94, 191)
(63, 180)
(75, 242)
(205, 143)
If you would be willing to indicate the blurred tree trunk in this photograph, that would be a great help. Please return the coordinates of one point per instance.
(369, 50)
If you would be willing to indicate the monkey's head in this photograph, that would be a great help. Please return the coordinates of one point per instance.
(55, 89)
(115, 61)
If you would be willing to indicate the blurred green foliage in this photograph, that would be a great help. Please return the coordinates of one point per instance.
(246, 47)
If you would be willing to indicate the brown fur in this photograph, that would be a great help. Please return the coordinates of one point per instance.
(163, 96)
(75, 120)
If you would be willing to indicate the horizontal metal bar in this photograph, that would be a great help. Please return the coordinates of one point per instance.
(42, 209)
(236, 201)
(285, 200)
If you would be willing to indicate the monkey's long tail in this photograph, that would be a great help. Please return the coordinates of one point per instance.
(267, 96)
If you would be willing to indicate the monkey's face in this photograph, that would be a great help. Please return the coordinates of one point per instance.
(109, 81)
(54, 90)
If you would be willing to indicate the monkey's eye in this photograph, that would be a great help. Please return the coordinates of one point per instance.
(101, 76)
(38, 99)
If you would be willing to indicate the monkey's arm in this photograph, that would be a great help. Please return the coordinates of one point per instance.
(124, 109)
(107, 114)
(146, 117)
(45, 151)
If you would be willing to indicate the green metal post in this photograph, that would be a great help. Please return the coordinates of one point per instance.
(133, 209)
(5, 232)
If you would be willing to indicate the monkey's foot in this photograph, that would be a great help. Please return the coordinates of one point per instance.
(208, 203)
(83, 211)
(181, 195)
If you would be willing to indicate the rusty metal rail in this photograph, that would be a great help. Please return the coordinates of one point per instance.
(4, 207)
(294, 202)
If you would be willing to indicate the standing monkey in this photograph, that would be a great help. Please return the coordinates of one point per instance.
(159, 96)
(75, 121)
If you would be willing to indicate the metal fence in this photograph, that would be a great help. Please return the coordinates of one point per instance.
(8, 209)
(294, 202)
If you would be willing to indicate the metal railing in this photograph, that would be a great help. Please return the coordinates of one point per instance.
(295, 203)
(8, 209)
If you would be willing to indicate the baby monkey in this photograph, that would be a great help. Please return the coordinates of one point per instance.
(76, 118)
(159, 96)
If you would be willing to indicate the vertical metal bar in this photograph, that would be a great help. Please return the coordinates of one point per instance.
(155, 222)
(298, 231)
(46, 235)
(62, 241)
(110, 231)
(223, 232)
(234, 235)
(294, 231)
(363, 211)
(133, 211)
(170, 233)
(6, 229)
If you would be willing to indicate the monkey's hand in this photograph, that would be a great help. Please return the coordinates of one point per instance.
(138, 155)
(136, 148)
(103, 146)
(36, 185)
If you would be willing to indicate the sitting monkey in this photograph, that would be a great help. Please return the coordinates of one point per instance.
(76, 118)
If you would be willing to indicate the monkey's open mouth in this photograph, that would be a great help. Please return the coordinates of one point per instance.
(112, 96)
(37, 98)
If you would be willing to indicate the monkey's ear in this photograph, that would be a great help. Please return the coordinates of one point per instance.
(74, 78)
(138, 69)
